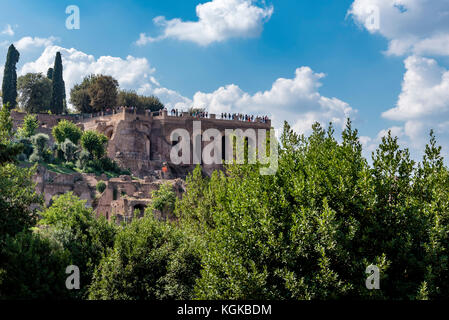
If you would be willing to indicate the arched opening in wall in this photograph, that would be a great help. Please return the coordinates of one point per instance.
(109, 132)
(140, 208)
(107, 215)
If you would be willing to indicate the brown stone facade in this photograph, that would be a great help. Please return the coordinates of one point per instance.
(139, 141)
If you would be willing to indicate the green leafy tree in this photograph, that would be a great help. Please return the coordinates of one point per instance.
(33, 267)
(163, 200)
(70, 150)
(66, 130)
(9, 85)
(103, 92)
(150, 103)
(130, 98)
(29, 127)
(9, 150)
(40, 144)
(58, 87)
(74, 226)
(17, 196)
(79, 95)
(94, 143)
(34, 92)
(150, 260)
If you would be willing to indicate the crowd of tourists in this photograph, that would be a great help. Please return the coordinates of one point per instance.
(244, 117)
(226, 116)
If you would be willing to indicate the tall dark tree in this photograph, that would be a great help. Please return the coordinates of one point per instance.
(50, 73)
(9, 86)
(58, 90)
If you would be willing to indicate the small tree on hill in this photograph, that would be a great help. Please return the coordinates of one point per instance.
(66, 130)
(94, 143)
(103, 92)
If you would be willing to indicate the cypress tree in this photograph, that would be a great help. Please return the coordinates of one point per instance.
(9, 86)
(58, 92)
(50, 73)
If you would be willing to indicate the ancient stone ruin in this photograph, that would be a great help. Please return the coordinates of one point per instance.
(138, 141)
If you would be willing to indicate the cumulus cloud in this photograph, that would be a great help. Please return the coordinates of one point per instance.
(297, 100)
(27, 43)
(414, 28)
(411, 26)
(424, 101)
(131, 73)
(8, 30)
(218, 20)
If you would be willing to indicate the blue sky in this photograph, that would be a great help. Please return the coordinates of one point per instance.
(351, 68)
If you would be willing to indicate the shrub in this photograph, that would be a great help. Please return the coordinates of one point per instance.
(163, 200)
(70, 150)
(95, 143)
(28, 129)
(75, 228)
(150, 260)
(101, 186)
(27, 146)
(83, 159)
(41, 151)
(66, 130)
(34, 268)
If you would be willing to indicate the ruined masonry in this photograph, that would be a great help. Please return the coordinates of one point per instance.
(138, 141)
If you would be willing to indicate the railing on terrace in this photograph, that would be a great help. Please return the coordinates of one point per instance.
(172, 114)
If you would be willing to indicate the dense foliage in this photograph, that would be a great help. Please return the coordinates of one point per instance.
(29, 127)
(103, 92)
(66, 130)
(309, 231)
(95, 143)
(74, 227)
(150, 260)
(79, 95)
(130, 98)
(34, 92)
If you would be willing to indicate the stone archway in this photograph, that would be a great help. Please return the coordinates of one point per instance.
(140, 208)
(108, 132)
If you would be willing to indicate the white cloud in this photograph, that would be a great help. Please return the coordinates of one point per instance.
(218, 20)
(131, 73)
(411, 26)
(8, 30)
(27, 43)
(297, 100)
(424, 101)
